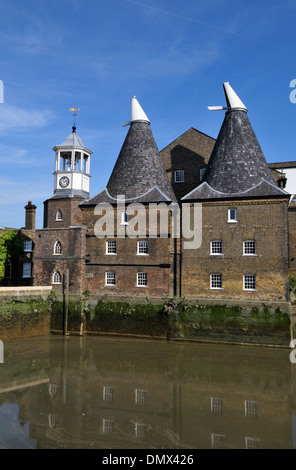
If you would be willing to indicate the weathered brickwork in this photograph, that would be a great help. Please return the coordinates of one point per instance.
(62, 212)
(265, 222)
(71, 256)
(190, 152)
(126, 262)
(292, 238)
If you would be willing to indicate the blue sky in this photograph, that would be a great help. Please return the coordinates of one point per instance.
(172, 55)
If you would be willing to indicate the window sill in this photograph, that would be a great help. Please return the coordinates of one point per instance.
(232, 221)
(216, 288)
(249, 254)
(111, 254)
(110, 285)
(142, 286)
(216, 254)
(250, 290)
(142, 254)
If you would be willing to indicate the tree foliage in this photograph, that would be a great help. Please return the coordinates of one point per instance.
(11, 246)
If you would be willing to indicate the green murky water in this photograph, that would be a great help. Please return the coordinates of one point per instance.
(116, 393)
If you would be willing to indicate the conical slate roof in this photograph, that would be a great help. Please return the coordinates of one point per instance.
(237, 165)
(138, 174)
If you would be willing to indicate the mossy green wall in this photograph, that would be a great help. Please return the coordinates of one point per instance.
(176, 319)
(20, 318)
(173, 319)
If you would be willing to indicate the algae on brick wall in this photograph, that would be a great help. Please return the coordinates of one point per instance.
(128, 318)
(24, 317)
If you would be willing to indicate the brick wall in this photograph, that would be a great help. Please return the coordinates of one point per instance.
(158, 263)
(190, 152)
(71, 214)
(72, 257)
(292, 238)
(264, 221)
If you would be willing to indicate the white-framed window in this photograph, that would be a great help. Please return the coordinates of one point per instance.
(108, 394)
(57, 278)
(51, 420)
(53, 389)
(142, 279)
(201, 173)
(59, 215)
(179, 176)
(249, 281)
(140, 396)
(28, 246)
(27, 270)
(140, 430)
(142, 247)
(216, 247)
(216, 281)
(232, 215)
(218, 441)
(57, 249)
(252, 442)
(110, 278)
(217, 405)
(124, 218)
(107, 426)
(249, 247)
(251, 408)
(110, 247)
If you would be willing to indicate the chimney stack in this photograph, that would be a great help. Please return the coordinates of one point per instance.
(30, 216)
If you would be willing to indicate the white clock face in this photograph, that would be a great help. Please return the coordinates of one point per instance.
(64, 181)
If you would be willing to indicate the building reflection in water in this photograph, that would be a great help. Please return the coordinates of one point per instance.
(109, 393)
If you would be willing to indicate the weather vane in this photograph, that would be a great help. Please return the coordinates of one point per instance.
(74, 114)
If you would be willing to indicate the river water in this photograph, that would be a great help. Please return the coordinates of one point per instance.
(116, 393)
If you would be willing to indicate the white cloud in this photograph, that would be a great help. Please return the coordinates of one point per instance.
(12, 155)
(20, 192)
(12, 117)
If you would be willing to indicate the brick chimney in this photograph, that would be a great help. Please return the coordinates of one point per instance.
(30, 216)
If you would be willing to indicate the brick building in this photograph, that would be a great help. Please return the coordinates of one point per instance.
(117, 243)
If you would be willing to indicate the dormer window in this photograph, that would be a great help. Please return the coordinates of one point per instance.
(179, 176)
(59, 215)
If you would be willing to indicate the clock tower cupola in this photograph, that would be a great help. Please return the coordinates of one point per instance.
(72, 167)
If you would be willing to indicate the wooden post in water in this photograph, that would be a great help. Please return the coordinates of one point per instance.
(81, 314)
(66, 302)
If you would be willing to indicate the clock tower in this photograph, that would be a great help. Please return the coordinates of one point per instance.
(72, 167)
(71, 183)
